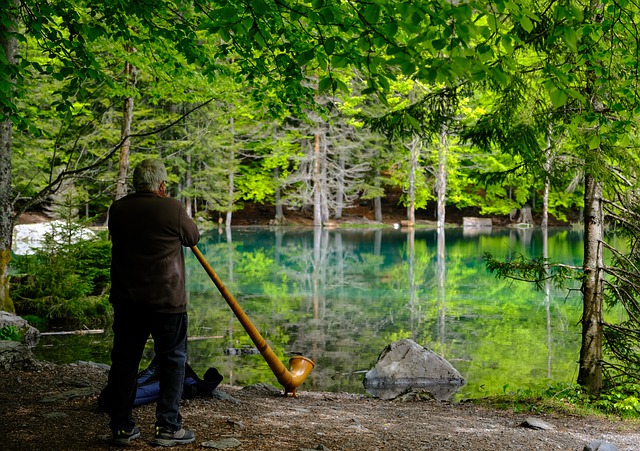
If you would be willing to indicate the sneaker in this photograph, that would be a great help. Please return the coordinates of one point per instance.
(120, 437)
(165, 437)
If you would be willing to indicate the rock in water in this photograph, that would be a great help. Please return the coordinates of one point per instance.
(406, 366)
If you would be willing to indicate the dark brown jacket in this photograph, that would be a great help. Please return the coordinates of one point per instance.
(147, 262)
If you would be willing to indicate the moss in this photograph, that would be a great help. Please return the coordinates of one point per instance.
(6, 303)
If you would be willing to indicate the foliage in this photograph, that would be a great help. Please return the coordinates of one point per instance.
(569, 399)
(10, 333)
(64, 280)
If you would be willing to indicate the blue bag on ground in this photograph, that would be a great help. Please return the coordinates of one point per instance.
(148, 386)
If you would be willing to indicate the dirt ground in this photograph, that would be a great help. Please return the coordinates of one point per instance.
(55, 408)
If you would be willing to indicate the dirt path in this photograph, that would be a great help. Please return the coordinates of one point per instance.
(54, 408)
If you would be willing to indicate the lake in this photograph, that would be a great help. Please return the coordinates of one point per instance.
(339, 296)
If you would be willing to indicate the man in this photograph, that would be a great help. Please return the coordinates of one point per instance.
(148, 230)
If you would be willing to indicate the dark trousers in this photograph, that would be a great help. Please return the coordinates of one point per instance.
(131, 329)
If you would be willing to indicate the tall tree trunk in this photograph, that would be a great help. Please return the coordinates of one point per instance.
(441, 178)
(377, 208)
(590, 372)
(340, 187)
(414, 147)
(377, 201)
(9, 48)
(232, 187)
(547, 169)
(590, 364)
(317, 188)
(279, 219)
(188, 184)
(125, 132)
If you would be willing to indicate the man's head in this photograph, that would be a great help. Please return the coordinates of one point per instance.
(150, 176)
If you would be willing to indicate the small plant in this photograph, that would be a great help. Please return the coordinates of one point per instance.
(621, 400)
(10, 333)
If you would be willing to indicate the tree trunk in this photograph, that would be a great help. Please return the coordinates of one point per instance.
(317, 194)
(278, 197)
(441, 178)
(189, 184)
(340, 187)
(9, 46)
(377, 201)
(232, 187)
(590, 372)
(547, 169)
(127, 119)
(413, 170)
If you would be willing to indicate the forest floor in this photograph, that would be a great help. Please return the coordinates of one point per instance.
(55, 408)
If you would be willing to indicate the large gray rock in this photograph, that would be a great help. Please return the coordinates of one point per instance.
(30, 333)
(406, 366)
(16, 356)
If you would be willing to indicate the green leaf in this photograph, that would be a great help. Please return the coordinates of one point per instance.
(570, 38)
(305, 57)
(594, 142)
(372, 13)
(499, 76)
(339, 61)
(259, 7)
(325, 84)
(330, 45)
(558, 98)
(526, 24)
(439, 44)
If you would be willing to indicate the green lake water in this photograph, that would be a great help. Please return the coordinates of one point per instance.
(340, 296)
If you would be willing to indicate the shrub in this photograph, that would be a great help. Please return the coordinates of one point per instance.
(65, 281)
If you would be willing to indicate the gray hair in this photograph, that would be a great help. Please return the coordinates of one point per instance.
(149, 175)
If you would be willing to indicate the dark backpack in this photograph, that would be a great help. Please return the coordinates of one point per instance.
(148, 386)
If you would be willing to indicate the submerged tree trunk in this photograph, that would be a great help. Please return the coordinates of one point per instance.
(9, 47)
(590, 372)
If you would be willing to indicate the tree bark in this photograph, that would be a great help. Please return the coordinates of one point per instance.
(547, 185)
(232, 187)
(9, 46)
(441, 179)
(377, 201)
(317, 188)
(125, 132)
(188, 181)
(278, 197)
(340, 187)
(590, 372)
(414, 147)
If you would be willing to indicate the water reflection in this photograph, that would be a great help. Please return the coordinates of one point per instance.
(340, 296)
